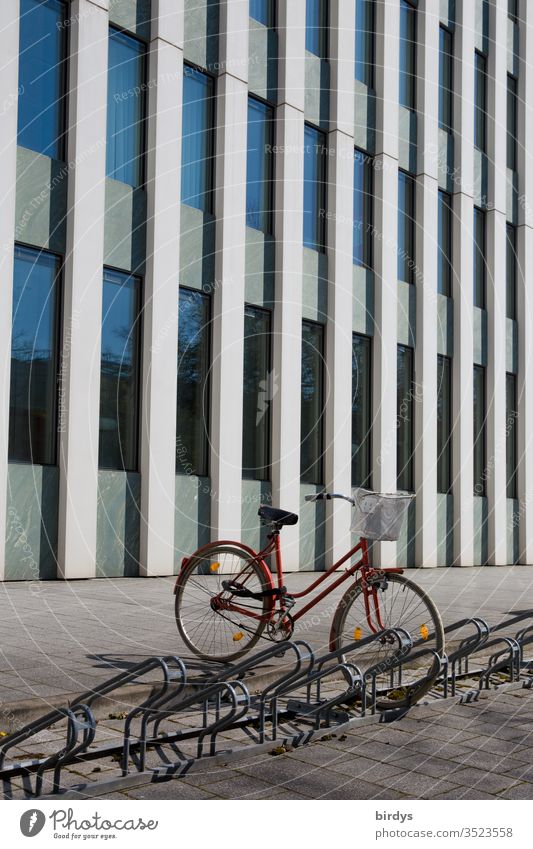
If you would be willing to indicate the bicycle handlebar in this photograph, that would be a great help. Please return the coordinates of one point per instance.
(327, 496)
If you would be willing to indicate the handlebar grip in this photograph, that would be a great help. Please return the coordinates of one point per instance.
(319, 496)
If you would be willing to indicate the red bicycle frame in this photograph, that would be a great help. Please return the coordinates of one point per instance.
(273, 547)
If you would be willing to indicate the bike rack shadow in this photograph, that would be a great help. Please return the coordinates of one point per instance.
(184, 721)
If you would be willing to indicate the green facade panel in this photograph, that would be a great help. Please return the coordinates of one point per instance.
(406, 314)
(192, 526)
(481, 531)
(444, 325)
(407, 139)
(260, 268)
(41, 201)
(132, 15)
(118, 524)
(125, 227)
(315, 286)
(444, 529)
(511, 350)
(513, 531)
(31, 522)
(316, 106)
(263, 61)
(363, 300)
(405, 551)
(197, 248)
(480, 336)
(312, 524)
(446, 164)
(255, 493)
(201, 33)
(364, 117)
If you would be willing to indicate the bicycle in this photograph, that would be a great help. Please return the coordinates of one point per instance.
(226, 598)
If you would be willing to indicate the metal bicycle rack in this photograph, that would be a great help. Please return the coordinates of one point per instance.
(185, 722)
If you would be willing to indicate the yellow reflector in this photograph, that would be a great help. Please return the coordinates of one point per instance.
(424, 632)
(238, 636)
(357, 634)
(214, 567)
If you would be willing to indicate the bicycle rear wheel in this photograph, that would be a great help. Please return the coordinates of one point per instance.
(402, 604)
(209, 630)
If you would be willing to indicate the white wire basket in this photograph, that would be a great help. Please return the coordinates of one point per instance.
(378, 515)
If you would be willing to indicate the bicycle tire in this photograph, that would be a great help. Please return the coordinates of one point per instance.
(208, 633)
(420, 618)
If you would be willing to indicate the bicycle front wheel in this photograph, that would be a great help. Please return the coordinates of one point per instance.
(206, 621)
(401, 604)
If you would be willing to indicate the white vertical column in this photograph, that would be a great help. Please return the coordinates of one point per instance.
(9, 62)
(427, 241)
(228, 299)
(158, 428)
(463, 261)
(384, 431)
(340, 274)
(288, 228)
(79, 420)
(523, 294)
(496, 287)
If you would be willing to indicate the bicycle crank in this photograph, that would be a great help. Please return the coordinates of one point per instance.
(281, 627)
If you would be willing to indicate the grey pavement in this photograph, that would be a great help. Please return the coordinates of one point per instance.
(60, 638)
(481, 750)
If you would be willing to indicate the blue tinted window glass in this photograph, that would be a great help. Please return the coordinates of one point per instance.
(34, 345)
(192, 428)
(314, 189)
(364, 42)
(361, 411)
(445, 80)
(125, 109)
(405, 419)
(480, 272)
(262, 11)
(42, 77)
(316, 27)
(259, 386)
(197, 140)
(119, 381)
(258, 167)
(480, 444)
(407, 55)
(480, 102)
(312, 404)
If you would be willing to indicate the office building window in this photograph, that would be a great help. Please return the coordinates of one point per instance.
(364, 42)
(197, 149)
(406, 228)
(480, 102)
(259, 388)
(444, 424)
(511, 434)
(125, 108)
(362, 209)
(316, 27)
(262, 11)
(479, 432)
(407, 55)
(512, 119)
(511, 272)
(194, 352)
(312, 404)
(480, 268)
(512, 10)
(446, 80)
(120, 371)
(314, 189)
(361, 411)
(34, 358)
(42, 76)
(259, 166)
(444, 270)
(405, 419)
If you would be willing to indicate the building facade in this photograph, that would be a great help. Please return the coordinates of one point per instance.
(253, 249)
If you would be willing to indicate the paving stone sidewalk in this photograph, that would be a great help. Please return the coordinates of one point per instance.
(65, 637)
(481, 750)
